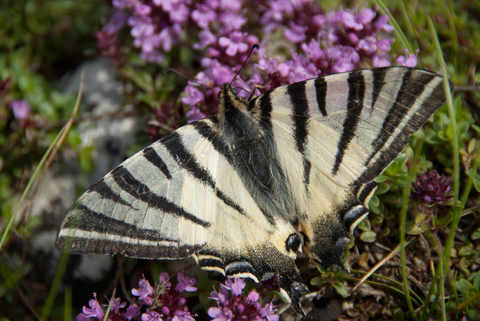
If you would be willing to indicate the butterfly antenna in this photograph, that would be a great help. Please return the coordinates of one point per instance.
(255, 46)
(182, 75)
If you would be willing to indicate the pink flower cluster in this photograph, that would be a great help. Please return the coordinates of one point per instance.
(431, 188)
(162, 302)
(223, 32)
(233, 306)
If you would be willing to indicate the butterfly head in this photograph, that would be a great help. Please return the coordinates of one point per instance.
(230, 103)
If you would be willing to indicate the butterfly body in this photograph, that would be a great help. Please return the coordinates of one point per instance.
(244, 191)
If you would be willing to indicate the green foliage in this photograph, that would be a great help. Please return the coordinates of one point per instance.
(331, 277)
(469, 289)
(42, 40)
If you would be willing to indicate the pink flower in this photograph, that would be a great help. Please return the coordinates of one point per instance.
(368, 44)
(95, 310)
(194, 97)
(356, 20)
(385, 44)
(21, 108)
(203, 15)
(268, 312)
(220, 314)
(117, 304)
(411, 61)
(132, 311)
(194, 114)
(236, 305)
(179, 14)
(145, 292)
(164, 279)
(182, 316)
(207, 38)
(236, 43)
(152, 316)
(380, 60)
(231, 21)
(295, 33)
(381, 24)
(185, 283)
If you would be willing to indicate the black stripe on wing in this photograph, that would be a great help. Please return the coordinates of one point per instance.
(187, 160)
(151, 155)
(356, 94)
(265, 104)
(134, 187)
(429, 105)
(109, 247)
(212, 263)
(378, 83)
(240, 266)
(321, 93)
(413, 85)
(89, 220)
(300, 117)
(106, 192)
(113, 237)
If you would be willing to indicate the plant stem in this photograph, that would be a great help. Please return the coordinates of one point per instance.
(456, 160)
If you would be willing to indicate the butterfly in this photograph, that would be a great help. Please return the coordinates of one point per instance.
(246, 190)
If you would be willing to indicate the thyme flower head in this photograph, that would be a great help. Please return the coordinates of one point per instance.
(431, 188)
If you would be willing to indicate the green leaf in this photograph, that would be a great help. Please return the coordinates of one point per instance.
(74, 138)
(443, 221)
(476, 282)
(385, 232)
(280, 296)
(377, 219)
(368, 236)
(475, 128)
(473, 315)
(374, 201)
(402, 159)
(340, 288)
(85, 159)
(34, 222)
(465, 250)
(465, 287)
(382, 178)
(402, 181)
(477, 77)
(476, 234)
(420, 219)
(476, 183)
(364, 225)
(398, 315)
(317, 281)
(382, 188)
(412, 228)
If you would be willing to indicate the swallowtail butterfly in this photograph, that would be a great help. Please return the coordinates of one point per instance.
(244, 191)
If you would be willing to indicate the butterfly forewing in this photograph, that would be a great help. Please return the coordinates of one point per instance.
(140, 208)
